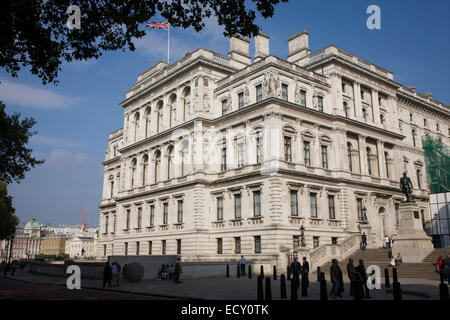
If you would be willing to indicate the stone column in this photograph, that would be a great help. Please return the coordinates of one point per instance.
(153, 119)
(376, 108)
(357, 101)
(381, 160)
(179, 106)
(362, 154)
(336, 97)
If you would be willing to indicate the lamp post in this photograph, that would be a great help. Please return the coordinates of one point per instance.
(302, 235)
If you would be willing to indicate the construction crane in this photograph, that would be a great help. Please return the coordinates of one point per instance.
(84, 227)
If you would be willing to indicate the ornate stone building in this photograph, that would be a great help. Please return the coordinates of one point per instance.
(222, 156)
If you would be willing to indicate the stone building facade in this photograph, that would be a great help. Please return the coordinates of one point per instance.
(222, 156)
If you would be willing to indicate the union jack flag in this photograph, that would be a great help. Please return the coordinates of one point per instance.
(164, 25)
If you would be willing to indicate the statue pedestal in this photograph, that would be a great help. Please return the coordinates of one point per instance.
(411, 240)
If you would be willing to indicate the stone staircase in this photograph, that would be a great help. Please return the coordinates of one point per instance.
(380, 257)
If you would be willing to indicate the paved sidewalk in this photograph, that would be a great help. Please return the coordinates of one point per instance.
(236, 288)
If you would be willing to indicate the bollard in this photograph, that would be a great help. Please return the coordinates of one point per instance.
(357, 294)
(289, 273)
(238, 272)
(250, 271)
(387, 284)
(323, 290)
(394, 275)
(443, 291)
(294, 288)
(397, 291)
(318, 274)
(268, 289)
(304, 287)
(259, 288)
(283, 287)
(262, 271)
(274, 273)
(228, 271)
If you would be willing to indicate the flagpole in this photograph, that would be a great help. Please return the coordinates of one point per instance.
(168, 44)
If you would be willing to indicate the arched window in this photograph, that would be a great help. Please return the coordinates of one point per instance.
(157, 165)
(172, 110)
(369, 165)
(148, 112)
(186, 102)
(170, 163)
(419, 175)
(136, 126)
(349, 156)
(133, 172)
(145, 170)
(159, 116)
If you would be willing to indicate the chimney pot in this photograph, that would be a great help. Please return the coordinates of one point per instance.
(298, 46)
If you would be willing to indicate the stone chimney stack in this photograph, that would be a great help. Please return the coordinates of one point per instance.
(298, 46)
(240, 49)
(261, 46)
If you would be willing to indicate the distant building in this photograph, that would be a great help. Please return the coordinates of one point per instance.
(81, 247)
(54, 244)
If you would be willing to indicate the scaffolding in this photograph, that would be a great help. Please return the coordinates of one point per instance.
(437, 162)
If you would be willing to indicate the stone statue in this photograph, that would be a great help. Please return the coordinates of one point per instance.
(229, 107)
(297, 93)
(246, 96)
(206, 106)
(406, 186)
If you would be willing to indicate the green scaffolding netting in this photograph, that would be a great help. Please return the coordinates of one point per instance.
(437, 163)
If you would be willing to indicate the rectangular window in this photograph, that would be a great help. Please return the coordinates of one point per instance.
(166, 213)
(219, 246)
(359, 208)
(237, 206)
(307, 153)
(152, 215)
(313, 204)
(128, 218)
(284, 91)
(241, 100)
(224, 107)
(139, 218)
(150, 247)
(220, 208)
(324, 157)
(106, 223)
(137, 248)
(178, 246)
(296, 243)
(163, 246)
(223, 165)
(258, 93)
(104, 249)
(240, 154)
(288, 149)
(331, 210)
(294, 203)
(180, 211)
(303, 98)
(237, 245)
(334, 240)
(316, 242)
(257, 203)
(259, 150)
(258, 244)
(126, 248)
(320, 103)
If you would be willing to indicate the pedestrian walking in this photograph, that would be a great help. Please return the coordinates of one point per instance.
(361, 270)
(363, 241)
(334, 274)
(119, 269)
(296, 270)
(178, 271)
(113, 273)
(352, 274)
(107, 273)
(305, 272)
(242, 263)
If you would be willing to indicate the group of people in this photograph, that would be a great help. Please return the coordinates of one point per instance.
(443, 266)
(171, 272)
(397, 260)
(12, 267)
(111, 274)
(298, 270)
(357, 276)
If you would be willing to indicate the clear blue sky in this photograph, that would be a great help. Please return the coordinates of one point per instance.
(75, 117)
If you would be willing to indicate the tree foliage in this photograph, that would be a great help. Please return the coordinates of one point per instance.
(8, 220)
(15, 156)
(34, 33)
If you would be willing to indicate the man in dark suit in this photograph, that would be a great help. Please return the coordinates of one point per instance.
(296, 270)
(305, 272)
(351, 272)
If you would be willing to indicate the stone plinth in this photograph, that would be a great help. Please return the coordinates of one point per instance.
(411, 240)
